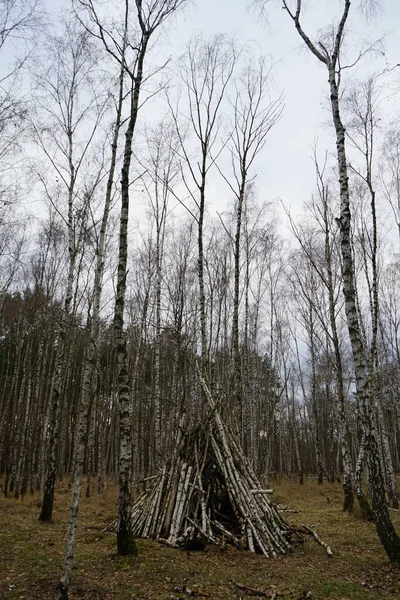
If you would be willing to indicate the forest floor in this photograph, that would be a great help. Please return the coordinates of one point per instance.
(31, 555)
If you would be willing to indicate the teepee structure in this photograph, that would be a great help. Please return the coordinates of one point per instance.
(208, 492)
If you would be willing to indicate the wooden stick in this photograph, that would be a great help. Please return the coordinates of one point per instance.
(208, 537)
(227, 534)
(139, 481)
(250, 590)
(318, 539)
(256, 592)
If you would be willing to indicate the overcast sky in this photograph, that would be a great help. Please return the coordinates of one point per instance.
(285, 168)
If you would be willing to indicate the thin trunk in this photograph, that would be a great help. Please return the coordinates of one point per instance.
(348, 497)
(313, 394)
(91, 359)
(237, 366)
(125, 541)
(200, 270)
(62, 343)
(387, 463)
(24, 400)
(160, 231)
(46, 512)
(384, 526)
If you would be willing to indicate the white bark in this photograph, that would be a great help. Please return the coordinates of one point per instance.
(331, 60)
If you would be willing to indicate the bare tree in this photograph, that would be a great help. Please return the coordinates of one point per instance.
(206, 72)
(92, 350)
(162, 169)
(310, 310)
(360, 104)
(149, 16)
(326, 266)
(390, 175)
(19, 24)
(68, 101)
(255, 113)
(328, 52)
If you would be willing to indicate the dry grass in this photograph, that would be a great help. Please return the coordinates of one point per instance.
(31, 555)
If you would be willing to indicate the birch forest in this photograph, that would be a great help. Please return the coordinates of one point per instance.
(167, 327)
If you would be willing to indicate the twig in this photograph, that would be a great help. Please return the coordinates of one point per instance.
(286, 509)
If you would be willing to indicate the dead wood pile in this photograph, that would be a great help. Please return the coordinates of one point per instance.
(208, 492)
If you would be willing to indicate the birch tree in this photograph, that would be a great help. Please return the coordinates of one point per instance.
(362, 115)
(68, 102)
(390, 174)
(162, 169)
(92, 350)
(328, 52)
(255, 113)
(307, 288)
(325, 263)
(263, 325)
(146, 17)
(205, 72)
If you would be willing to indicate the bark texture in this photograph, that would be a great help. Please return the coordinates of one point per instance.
(383, 523)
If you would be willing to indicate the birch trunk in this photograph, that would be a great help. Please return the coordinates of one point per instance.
(23, 406)
(384, 526)
(205, 75)
(157, 352)
(315, 412)
(387, 463)
(125, 541)
(90, 360)
(200, 267)
(162, 163)
(46, 512)
(237, 362)
(348, 497)
(254, 117)
(62, 343)
(364, 126)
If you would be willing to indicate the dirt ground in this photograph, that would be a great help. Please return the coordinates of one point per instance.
(31, 555)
